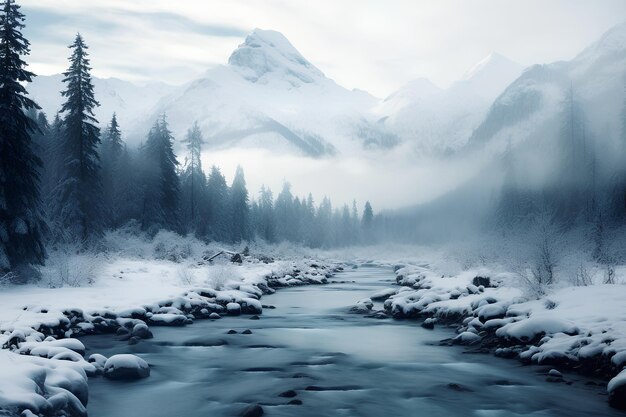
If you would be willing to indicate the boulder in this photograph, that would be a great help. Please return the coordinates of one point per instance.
(233, 309)
(98, 361)
(141, 331)
(253, 410)
(126, 367)
(481, 281)
(467, 338)
(617, 391)
(429, 323)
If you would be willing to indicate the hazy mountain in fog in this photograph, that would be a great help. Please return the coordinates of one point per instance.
(130, 101)
(529, 107)
(269, 96)
(437, 119)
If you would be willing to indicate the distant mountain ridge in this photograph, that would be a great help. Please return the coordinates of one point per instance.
(531, 104)
(270, 96)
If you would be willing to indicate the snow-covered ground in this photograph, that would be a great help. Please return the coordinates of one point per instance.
(138, 282)
(134, 284)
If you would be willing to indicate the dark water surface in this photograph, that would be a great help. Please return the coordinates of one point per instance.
(338, 364)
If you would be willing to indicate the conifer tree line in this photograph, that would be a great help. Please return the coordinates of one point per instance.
(587, 182)
(66, 180)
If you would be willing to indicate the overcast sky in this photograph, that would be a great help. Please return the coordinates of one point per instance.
(372, 45)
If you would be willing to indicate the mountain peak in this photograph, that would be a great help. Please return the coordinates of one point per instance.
(494, 62)
(267, 52)
(611, 42)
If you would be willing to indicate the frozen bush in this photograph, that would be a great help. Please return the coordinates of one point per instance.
(220, 274)
(171, 246)
(185, 275)
(68, 266)
(582, 277)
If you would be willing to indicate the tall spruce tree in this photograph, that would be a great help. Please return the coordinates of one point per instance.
(20, 217)
(111, 151)
(217, 207)
(161, 184)
(52, 163)
(367, 222)
(266, 222)
(239, 209)
(78, 193)
(194, 183)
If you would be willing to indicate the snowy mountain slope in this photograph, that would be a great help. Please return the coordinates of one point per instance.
(130, 101)
(269, 96)
(530, 106)
(436, 119)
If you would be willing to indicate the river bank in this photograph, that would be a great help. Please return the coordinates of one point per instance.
(45, 369)
(579, 329)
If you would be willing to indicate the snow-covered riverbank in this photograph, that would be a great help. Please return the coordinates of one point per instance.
(43, 366)
(580, 328)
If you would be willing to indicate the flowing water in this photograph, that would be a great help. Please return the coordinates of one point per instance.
(338, 364)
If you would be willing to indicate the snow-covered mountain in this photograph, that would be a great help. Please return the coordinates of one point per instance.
(530, 106)
(130, 101)
(270, 96)
(437, 119)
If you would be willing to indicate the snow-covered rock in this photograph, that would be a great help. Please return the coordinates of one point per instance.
(41, 386)
(363, 306)
(467, 338)
(617, 391)
(126, 367)
(233, 309)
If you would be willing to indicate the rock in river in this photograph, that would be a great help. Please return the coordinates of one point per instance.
(126, 367)
(254, 410)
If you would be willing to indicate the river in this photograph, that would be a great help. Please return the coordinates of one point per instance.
(337, 364)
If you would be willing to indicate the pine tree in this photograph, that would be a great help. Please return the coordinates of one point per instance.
(52, 163)
(111, 151)
(570, 200)
(161, 184)
(284, 214)
(217, 213)
(367, 222)
(194, 182)
(309, 217)
(239, 211)
(112, 144)
(21, 222)
(78, 210)
(323, 223)
(266, 221)
(356, 236)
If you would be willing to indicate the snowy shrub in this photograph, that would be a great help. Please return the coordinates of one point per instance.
(68, 266)
(185, 275)
(128, 240)
(609, 275)
(582, 277)
(220, 274)
(173, 247)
